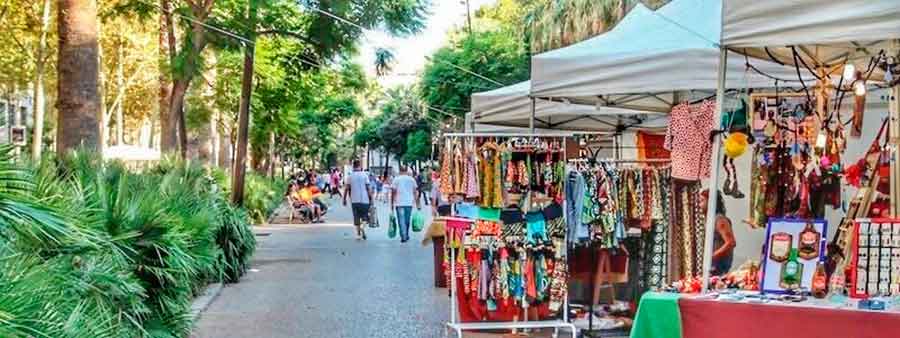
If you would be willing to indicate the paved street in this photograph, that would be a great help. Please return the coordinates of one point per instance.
(318, 281)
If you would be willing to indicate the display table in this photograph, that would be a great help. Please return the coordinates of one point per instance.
(658, 316)
(705, 318)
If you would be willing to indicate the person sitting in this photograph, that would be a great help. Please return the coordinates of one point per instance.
(307, 195)
(293, 197)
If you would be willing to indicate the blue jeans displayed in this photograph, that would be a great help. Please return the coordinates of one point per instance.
(404, 214)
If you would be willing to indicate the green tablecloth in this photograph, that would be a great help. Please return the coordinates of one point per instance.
(658, 316)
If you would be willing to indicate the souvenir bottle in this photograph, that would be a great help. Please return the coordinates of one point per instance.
(791, 271)
(809, 242)
(820, 282)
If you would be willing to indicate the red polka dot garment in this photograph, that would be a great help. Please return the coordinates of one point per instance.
(688, 139)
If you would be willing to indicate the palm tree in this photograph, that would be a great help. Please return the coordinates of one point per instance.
(384, 61)
(559, 23)
(78, 69)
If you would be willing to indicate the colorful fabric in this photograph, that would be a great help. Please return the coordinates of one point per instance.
(651, 146)
(659, 316)
(687, 138)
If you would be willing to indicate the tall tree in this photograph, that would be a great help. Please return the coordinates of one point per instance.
(166, 58)
(39, 96)
(496, 55)
(78, 69)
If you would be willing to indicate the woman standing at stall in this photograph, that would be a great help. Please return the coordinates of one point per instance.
(723, 237)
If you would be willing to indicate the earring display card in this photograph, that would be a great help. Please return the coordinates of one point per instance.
(875, 268)
(793, 249)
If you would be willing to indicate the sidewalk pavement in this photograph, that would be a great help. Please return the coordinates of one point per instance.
(317, 280)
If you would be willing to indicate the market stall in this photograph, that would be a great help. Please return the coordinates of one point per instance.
(800, 167)
(507, 247)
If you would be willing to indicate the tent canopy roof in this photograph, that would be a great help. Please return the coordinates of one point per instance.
(674, 49)
(823, 33)
(511, 106)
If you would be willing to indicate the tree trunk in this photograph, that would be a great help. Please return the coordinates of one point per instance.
(270, 168)
(214, 141)
(78, 69)
(237, 190)
(40, 104)
(166, 54)
(225, 149)
(182, 81)
(101, 80)
(120, 96)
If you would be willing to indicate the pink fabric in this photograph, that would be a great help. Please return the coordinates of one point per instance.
(688, 139)
(716, 319)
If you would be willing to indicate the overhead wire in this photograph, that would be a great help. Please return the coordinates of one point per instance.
(346, 21)
(201, 23)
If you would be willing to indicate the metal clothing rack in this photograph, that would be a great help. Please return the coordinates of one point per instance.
(590, 330)
(455, 324)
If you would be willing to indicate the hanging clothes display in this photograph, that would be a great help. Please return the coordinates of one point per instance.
(513, 255)
(612, 197)
(686, 230)
(688, 139)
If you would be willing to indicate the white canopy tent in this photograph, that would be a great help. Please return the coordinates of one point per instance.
(820, 25)
(648, 59)
(512, 106)
(822, 35)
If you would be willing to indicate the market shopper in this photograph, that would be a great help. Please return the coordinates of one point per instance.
(440, 206)
(403, 197)
(360, 192)
(335, 182)
(424, 186)
(723, 237)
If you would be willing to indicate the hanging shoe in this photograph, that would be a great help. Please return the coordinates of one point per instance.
(726, 188)
(735, 190)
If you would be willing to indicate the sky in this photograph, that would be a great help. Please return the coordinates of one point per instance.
(410, 52)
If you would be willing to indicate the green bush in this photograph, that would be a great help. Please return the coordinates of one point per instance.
(89, 249)
(262, 196)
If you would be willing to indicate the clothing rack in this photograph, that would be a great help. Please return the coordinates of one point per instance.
(649, 160)
(589, 333)
(455, 324)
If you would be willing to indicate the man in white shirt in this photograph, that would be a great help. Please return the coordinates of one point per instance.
(403, 197)
(360, 192)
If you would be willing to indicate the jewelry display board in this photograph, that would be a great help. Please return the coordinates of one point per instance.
(875, 264)
(793, 247)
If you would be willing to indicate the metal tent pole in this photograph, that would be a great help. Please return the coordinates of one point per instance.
(714, 172)
(894, 102)
(531, 120)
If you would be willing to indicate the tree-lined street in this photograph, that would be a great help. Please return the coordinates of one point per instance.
(318, 281)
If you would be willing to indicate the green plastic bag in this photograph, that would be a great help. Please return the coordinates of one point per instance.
(392, 226)
(418, 221)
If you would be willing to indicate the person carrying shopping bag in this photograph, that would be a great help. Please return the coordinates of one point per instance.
(403, 197)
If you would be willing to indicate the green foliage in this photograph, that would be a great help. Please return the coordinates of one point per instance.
(262, 196)
(418, 146)
(401, 116)
(497, 55)
(89, 249)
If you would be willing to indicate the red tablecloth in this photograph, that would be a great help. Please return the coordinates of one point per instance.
(717, 319)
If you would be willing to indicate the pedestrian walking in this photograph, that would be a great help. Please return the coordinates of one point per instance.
(424, 187)
(360, 192)
(386, 187)
(335, 183)
(405, 191)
